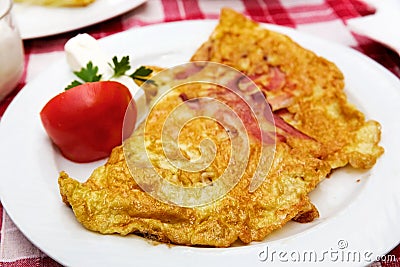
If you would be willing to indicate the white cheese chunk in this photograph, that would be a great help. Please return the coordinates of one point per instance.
(83, 48)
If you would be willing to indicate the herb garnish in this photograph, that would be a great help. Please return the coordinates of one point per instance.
(120, 67)
(88, 74)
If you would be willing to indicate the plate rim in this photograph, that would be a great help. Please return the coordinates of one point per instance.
(375, 65)
(25, 35)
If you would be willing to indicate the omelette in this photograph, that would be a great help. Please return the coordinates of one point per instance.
(316, 131)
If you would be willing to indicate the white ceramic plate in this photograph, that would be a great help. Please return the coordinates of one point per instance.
(360, 210)
(39, 21)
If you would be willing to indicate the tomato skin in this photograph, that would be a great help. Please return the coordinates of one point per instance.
(86, 121)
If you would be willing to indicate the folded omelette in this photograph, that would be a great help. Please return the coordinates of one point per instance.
(316, 131)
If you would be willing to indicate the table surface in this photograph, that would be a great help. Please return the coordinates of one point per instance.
(323, 18)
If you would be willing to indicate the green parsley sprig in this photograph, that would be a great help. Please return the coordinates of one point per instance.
(88, 74)
(120, 67)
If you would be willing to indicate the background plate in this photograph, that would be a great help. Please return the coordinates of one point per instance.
(39, 21)
(359, 209)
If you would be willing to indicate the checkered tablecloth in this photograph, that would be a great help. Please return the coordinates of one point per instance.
(323, 18)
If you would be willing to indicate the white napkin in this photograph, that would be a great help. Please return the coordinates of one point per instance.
(383, 26)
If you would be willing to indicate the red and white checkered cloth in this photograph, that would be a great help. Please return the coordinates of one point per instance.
(324, 18)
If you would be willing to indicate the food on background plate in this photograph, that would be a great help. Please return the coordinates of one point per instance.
(67, 3)
(317, 131)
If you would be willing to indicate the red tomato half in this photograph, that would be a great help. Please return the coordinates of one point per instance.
(86, 121)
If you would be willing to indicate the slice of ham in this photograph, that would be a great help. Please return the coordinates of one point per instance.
(274, 80)
(274, 84)
(285, 128)
(188, 70)
(242, 92)
(277, 79)
(281, 100)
